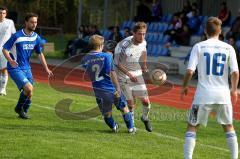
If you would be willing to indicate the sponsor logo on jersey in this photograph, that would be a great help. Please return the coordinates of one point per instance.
(28, 46)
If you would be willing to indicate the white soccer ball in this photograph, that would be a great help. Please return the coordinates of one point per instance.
(158, 77)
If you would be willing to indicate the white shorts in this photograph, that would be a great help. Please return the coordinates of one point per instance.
(133, 90)
(3, 61)
(199, 113)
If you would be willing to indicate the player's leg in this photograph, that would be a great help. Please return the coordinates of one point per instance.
(108, 118)
(29, 91)
(224, 116)
(145, 112)
(231, 138)
(105, 101)
(190, 141)
(198, 114)
(25, 86)
(121, 105)
(3, 74)
(140, 91)
(127, 92)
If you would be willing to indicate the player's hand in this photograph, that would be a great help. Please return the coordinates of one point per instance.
(132, 77)
(50, 74)
(144, 69)
(234, 95)
(13, 63)
(117, 93)
(184, 92)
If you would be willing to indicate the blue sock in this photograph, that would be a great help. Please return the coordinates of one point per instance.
(110, 122)
(27, 104)
(128, 120)
(21, 101)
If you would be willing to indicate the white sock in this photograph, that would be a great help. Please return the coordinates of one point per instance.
(190, 141)
(132, 112)
(232, 143)
(1, 78)
(145, 111)
(4, 81)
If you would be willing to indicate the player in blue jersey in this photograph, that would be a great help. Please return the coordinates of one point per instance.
(25, 41)
(98, 66)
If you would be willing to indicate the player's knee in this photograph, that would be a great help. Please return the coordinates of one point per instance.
(146, 102)
(125, 110)
(131, 107)
(107, 115)
(28, 90)
(192, 128)
(131, 104)
(228, 127)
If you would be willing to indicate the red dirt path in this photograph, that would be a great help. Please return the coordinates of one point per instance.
(171, 98)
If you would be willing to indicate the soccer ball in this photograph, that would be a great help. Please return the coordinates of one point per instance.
(158, 77)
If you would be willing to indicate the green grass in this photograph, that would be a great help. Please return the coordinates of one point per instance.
(46, 135)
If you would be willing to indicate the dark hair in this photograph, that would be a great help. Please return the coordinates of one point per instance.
(30, 15)
(3, 8)
(224, 3)
(109, 46)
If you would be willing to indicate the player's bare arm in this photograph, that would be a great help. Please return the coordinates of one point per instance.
(114, 80)
(12, 62)
(143, 59)
(44, 63)
(126, 72)
(234, 82)
(187, 78)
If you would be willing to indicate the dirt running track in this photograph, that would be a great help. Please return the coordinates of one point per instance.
(170, 97)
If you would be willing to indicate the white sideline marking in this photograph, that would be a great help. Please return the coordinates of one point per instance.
(142, 130)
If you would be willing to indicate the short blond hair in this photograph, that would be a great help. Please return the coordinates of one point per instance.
(139, 26)
(213, 26)
(96, 41)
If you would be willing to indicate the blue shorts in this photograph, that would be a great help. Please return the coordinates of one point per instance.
(105, 101)
(21, 77)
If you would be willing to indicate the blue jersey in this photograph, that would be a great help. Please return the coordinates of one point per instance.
(25, 44)
(98, 66)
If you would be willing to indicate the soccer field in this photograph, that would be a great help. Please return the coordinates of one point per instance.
(46, 135)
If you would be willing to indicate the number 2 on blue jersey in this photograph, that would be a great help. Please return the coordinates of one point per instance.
(216, 68)
(96, 69)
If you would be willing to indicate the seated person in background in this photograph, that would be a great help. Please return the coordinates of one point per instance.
(232, 42)
(156, 11)
(127, 32)
(182, 38)
(224, 14)
(187, 7)
(177, 24)
(193, 22)
(115, 34)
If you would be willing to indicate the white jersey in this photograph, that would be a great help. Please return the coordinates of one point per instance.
(128, 54)
(7, 28)
(213, 59)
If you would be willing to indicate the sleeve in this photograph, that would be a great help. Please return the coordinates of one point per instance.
(233, 60)
(13, 29)
(83, 63)
(109, 64)
(9, 44)
(193, 61)
(145, 46)
(38, 46)
(117, 53)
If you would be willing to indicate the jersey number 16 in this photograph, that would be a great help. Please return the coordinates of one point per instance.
(217, 67)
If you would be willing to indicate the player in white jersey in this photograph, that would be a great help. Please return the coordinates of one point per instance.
(215, 60)
(7, 28)
(130, 59)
